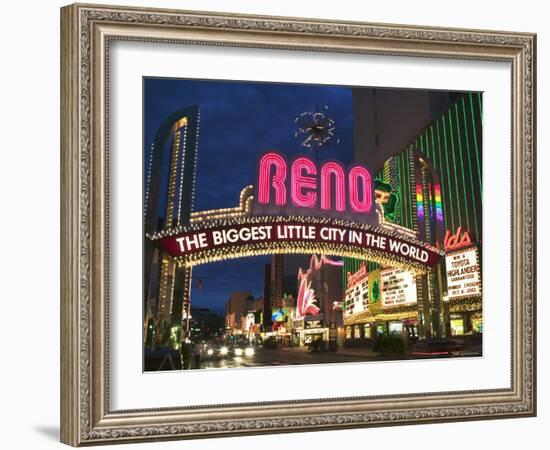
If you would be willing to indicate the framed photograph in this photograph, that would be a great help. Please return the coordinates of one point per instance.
(277, 225)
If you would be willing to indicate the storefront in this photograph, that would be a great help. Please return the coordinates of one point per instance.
(464, 292)
(310, 330)
(380, 302)
(466, 322)
(360, 330)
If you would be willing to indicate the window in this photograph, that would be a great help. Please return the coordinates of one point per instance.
(477, 324)
(367, 331)
(396, 327)
(457, 327)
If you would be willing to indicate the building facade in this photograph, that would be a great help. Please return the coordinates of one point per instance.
(432, 188)
(168, 201)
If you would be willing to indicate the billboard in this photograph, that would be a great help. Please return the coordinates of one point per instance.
(398, 287)
(279, 314)
(463, 275)
(356, 297)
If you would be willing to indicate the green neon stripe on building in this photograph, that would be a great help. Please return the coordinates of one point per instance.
(462, 169)
(344, 278)
(474, 206)
(433, 146)
(437, 150)
(426, 148)
(480, 107)
(423, 144)
(475, 142)
(454, 164)
(448, 180)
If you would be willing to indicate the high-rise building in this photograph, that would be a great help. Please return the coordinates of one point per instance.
(277, 277)
(168, 200)
(283, 279)
(385, 119)
(267, 307)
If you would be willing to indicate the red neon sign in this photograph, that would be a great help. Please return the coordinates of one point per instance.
(360, 174)
(454, 241)
(306, 185)
(277, 181)
(354, 278)
(336, 172)
(303, 173)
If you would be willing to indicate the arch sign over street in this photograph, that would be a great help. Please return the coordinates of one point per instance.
(299, 207)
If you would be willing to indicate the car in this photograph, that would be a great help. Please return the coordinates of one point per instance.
(243, 350)
(437, 347)
(214, 351)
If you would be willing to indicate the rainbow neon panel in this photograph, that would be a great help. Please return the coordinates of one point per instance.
(438, 206)
(419, 201)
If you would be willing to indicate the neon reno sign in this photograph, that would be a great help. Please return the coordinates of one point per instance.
(301, 183)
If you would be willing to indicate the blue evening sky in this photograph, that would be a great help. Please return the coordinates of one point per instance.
(238, 122)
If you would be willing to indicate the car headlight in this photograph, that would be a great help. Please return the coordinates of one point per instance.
(249, 351)
(210, 352)
(238, 351)
(224, 350)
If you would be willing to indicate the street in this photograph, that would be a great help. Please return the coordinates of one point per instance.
(288, 356)
(294, 356)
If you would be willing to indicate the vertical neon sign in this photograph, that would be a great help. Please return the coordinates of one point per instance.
(438, 206)
(419, 201)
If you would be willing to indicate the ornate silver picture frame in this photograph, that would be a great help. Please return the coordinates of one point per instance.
(87, 34)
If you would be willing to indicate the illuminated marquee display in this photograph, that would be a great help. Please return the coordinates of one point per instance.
(398, 287)
(301, 183)
(463, 275)
(215, 241)
(357, 292)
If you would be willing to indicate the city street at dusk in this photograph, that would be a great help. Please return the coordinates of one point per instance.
(320, 234)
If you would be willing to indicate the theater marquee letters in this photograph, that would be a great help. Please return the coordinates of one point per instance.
(272, 233)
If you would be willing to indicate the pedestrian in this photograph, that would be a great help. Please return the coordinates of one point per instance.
(197, 352)
(186, 354)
